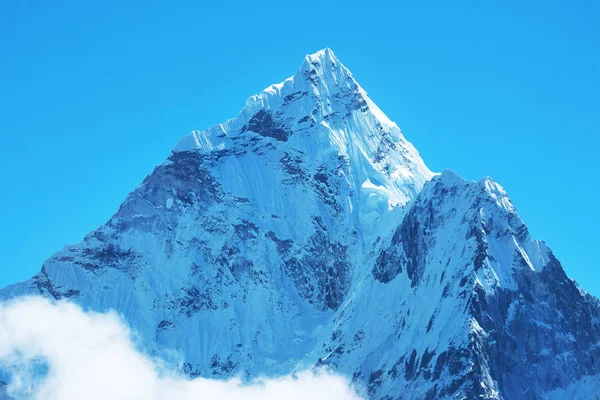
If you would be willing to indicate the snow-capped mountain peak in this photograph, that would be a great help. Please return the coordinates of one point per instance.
(322, 113)
(307, 231)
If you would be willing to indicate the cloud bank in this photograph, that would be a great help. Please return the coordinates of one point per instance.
(85, 355)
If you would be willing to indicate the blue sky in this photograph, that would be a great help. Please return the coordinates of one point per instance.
(93, 96)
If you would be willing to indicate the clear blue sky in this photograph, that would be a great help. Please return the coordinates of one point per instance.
(93, 96)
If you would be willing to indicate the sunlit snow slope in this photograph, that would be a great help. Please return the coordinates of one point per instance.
(307, 231)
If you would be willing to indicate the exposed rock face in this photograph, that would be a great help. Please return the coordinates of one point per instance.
(307, 231)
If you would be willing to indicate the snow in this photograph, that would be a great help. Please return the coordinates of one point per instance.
(329, 134)
(236, 263)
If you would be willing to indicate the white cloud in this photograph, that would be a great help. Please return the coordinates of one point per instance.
(91, 356)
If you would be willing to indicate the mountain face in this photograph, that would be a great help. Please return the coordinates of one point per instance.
(307, 231)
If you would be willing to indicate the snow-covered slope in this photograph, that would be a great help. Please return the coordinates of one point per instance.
(307, 231)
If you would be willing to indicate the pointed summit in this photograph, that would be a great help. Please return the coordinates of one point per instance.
(323, 89)
(322, 110)
(322, 79)
(326, 66)
(323, 54)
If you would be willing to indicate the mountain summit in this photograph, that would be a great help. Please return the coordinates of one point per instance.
(322, 111)
(306, 232)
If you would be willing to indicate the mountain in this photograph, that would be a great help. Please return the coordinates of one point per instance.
(307, 231)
